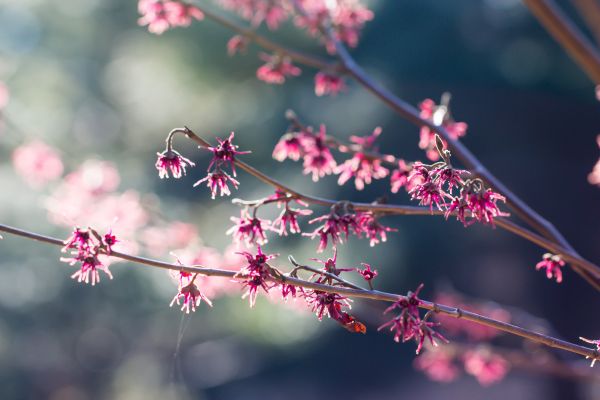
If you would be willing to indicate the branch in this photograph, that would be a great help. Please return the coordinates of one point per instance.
(349, 292)
(576, 261)
(590, 11)
(568, 36)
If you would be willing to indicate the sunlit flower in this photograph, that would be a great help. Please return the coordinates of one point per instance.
(218, 182)
(326, 84)
(276, 69)
(171, 160)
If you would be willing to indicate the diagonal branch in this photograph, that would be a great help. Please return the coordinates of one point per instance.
(345, 291)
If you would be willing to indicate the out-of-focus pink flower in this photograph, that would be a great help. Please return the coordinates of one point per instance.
(318, 160)
(161, 15)
(37, 163)
(440, 116)
(486, 366)
(276, 69)
(328, 84)
(273, 13)
(438, 365)
(237, 44)
(173, 161)
(399, 177)
(553, 265)
(249, 229)
(177, 235)
(289, 146)
(474, 332)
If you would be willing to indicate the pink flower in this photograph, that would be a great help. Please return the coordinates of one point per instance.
(483, 205)
(86, 246)
(248, 229)
(237, 44)
(161, 15)
(486, 366)
(440, 116)
(590, 341)
(553, 265)
(399, 177)
(340, 220)
(289, 146)
(218, 182)
(37, 163)
(329, 267)
(154, 15)
(428, 191)
(255, 273)
(276, 69)
(179, 14)
(189, 292)
(326, 84)
(408, 324)
(363, 168)
(271, 12)
(333, 305)
(224, 154)
(289, 216)
(318, 160)
(367, 273)
(373, 230)
(173, 161)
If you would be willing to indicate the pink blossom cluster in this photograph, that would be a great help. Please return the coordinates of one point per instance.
(408, 324)
(442, 365)
(224, 155)
(85, 247)
(342, 220)
(276, 69)
(453, 191)
(256, 274)
(439, 115)
(314, 149)
(328, 84)
(161, 15)
(346, 17)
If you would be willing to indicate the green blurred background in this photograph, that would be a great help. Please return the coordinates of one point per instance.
(87, 80)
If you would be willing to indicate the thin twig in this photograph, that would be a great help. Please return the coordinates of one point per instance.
(349, 292)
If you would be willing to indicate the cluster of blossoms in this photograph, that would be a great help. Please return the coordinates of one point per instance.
(161, 15)
(346, 17)
(439, 115)
(408, 324)
(343, 220)
(443, 365)
(314, 149)
(85, 246)
(453, 191)
(217, 178)
(256, 273)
